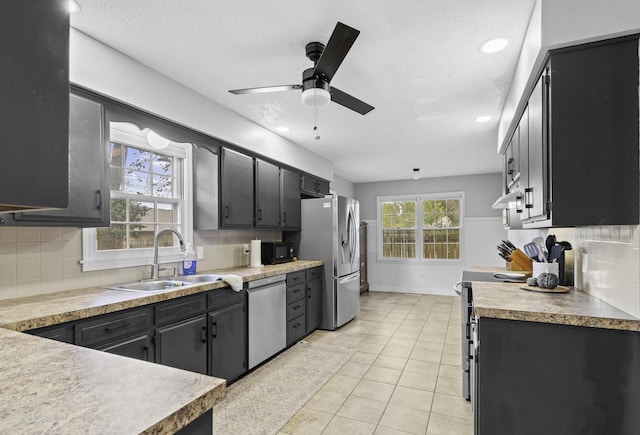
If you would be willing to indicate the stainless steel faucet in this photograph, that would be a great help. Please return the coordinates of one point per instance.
(155, 271)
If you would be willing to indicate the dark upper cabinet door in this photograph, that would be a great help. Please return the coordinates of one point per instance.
(313, 187)
(290, 210)
(183, 345)
(236, 189)
(227, 342)
(267, 211)
(535, 188)
(34, 96)
(88, 179)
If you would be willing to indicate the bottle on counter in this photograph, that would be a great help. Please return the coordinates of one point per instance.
(189, 261)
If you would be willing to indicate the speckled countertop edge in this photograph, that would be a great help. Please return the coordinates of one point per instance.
(576, 308)
(53, 387)
(49, 309)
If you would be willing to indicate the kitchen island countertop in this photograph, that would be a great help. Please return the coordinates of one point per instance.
(576, 308)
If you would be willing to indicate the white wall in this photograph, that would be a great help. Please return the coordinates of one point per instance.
(483, 230)
(343, 187)
(104, 70)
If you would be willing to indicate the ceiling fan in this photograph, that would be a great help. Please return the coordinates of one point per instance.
(316, 88)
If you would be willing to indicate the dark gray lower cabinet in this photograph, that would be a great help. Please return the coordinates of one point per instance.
(183, 345)
(227, 342)
(138, 347)
(63, 333)
(314, 299)
(540, 378)
(202, 425)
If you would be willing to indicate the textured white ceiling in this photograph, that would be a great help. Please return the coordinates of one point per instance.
(417, 61)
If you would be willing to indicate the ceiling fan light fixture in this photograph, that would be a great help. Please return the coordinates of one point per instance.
(416, 173)
(316, 97)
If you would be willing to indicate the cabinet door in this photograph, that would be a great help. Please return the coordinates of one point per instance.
(314, 304)
(228, 342)
(183, 345)
(138, 347)
(267, 195)
(290, 209)
(88, 184)
(34, 96)
(236, 189)
(205, 188)
(535, 189)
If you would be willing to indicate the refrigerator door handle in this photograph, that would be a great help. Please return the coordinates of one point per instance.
(353, 277)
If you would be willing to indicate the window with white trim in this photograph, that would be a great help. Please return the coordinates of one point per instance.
(150, 191)
(420, 227)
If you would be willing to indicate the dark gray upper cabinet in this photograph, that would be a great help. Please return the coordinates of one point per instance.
(313, 187)
(582, 165)
(88, 172)
(205, 188)
(236, 189)
(290, 194)
(34, 95)
(267, 180)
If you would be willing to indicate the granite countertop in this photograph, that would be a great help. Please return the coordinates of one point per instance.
(33, 312)
(52, 387)
(577, 308)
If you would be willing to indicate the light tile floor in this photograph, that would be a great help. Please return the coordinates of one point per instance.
(405, 375)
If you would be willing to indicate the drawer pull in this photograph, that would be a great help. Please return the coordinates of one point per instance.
(113, 328)
(214, 330)
(203, 334)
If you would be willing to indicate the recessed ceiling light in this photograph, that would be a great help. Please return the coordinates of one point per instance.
(494, 45)
(283, 129)
(484, 118)
(73, 6)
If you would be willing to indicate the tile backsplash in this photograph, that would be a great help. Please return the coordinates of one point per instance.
(606, 261)
(45, 260)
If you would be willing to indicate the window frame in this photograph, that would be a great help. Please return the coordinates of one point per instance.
(93, 259)
(418, 200)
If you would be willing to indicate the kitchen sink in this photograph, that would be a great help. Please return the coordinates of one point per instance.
(197, 278)
(166, 284)
(152, 286)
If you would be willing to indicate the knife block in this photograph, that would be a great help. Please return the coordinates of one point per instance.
(520, 261)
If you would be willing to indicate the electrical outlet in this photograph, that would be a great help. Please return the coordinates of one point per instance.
(246, 248)
(199, 252)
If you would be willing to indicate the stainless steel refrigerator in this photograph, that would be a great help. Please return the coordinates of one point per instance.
(330, 232)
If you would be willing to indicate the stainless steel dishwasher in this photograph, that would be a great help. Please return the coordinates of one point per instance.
(267, 318)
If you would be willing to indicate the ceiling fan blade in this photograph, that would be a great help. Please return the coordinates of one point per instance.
(335, 51)
(350, 102)
(266, 89)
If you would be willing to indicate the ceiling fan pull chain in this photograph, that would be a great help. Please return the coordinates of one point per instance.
(315, 127)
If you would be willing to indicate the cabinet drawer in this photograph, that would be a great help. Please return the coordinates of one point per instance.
(295, 330)
(295, 293)
(314, 273)
(112, 326)
(295, 278)
(295, 309)
(181, 308)
(224, 297)
(62, 332)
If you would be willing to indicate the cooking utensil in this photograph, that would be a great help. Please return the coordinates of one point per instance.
(531, 249)
(556, 253)
(510, 245)
(540, 244)
(550, 242)
(566, 245)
